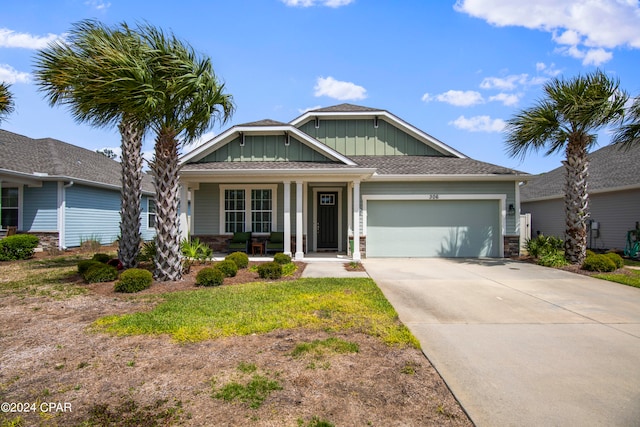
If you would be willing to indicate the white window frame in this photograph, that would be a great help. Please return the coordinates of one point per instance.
(18, 208)
(247, 205)
(149, 213)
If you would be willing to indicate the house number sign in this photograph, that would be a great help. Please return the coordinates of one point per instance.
(434, 196)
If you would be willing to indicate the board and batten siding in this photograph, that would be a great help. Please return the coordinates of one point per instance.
(265, 148)
(40, 207)
(359, 137)
(92, 213)
(616, 212)
(439, 188)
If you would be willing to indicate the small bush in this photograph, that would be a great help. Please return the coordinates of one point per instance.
(617, 259)
(281, 258)
(541, 245)
(100, 273)
(270, 270)
(552, 259)
(103, 258)
(195, 249)
(228, 268)
(600, 263)
(18, 246)
(134, 280)
(240, 258)
(86, 264)
(209, 276)
(148, 251)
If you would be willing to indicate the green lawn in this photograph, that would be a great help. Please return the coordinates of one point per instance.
(327, 304)
(631, 278)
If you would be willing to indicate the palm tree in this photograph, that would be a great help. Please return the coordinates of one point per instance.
(629, 132)
(187, 97)
(6, 101)
(567, 119)
(100, 74)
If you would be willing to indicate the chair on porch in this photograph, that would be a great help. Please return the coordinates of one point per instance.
(240, 242)
(275, 242)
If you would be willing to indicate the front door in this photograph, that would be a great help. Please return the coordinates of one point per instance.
(327, 227)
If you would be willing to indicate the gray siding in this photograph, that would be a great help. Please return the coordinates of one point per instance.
(617, 213)
(360, 138)
(40, 207)
(146, 232)
(92, 213)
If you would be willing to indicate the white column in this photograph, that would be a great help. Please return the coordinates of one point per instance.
(192, 200)
(184, 206)
(356, 221)
(287, 217)
(299, 223)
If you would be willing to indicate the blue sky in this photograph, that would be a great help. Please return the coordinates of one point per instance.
(455, 69)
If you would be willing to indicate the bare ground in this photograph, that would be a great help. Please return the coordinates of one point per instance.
(49, 354)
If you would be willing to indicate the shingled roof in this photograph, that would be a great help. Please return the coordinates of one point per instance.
(610, 168)
(51, 159)
(345, 108)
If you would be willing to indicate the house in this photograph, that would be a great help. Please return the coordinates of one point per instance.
(614, 198)
(62, 193)
(349, 179)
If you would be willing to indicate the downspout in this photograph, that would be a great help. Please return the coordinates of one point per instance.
(62, 208)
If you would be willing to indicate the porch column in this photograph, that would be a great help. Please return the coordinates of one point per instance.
(184, 208)
(299, 225)
(287, 217)
(356, 221)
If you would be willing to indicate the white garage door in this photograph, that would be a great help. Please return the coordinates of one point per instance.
(433, 228)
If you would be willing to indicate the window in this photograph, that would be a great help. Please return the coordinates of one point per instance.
(251, 208)
(151, 213)
(9, 207)
(234, 214)
(327, 199)
(261, 211)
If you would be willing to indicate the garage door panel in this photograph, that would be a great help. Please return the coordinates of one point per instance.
(442, 228)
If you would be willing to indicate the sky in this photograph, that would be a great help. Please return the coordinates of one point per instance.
(458, 70)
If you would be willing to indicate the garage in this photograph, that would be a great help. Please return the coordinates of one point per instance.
(433, 228)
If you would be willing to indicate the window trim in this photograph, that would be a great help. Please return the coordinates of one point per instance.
(149, 213)
(17, 208)
(247, 205)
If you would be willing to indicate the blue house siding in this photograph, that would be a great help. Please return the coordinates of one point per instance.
(40, 207)
(148, 233)
(92, 213)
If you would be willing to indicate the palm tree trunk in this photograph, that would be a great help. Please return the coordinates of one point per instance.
(576, 200)
(165, 168)
(129, 245)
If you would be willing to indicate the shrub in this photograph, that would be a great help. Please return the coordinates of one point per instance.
(209, 276)
(18, 246)
(86, 264)
(552, 259)
(541, 245)
(195, 249)
(115, 262)
(228, 268)
(148, 251)
(600, 263)
(240, 258)
(617, 259)
(281, 258)
(103, 258)
(100, 273)
(270, 270)
(134, 280)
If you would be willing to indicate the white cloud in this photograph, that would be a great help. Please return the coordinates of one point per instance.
(9, 38)
(304, 110)
(479, 124)
(309, 3)
(549, 70)
(457, 97)
(593, 25)
(10, 75)
(507, 99)
(505, 83)
(98, 4)
(338, 90)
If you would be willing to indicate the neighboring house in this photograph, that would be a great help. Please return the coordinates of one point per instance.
(614, 198)
(62, 193)
(350, 179)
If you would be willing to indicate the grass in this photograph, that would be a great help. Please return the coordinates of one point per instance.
(318, 348)
(324, 304)
(253, 393)
(630, 278)
(49, 277)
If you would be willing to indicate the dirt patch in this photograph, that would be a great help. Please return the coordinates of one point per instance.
(49, 354)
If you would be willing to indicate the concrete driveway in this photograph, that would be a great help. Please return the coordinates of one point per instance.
(520, 344)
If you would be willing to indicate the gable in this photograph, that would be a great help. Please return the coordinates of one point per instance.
(360, 137)
(264, 148)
